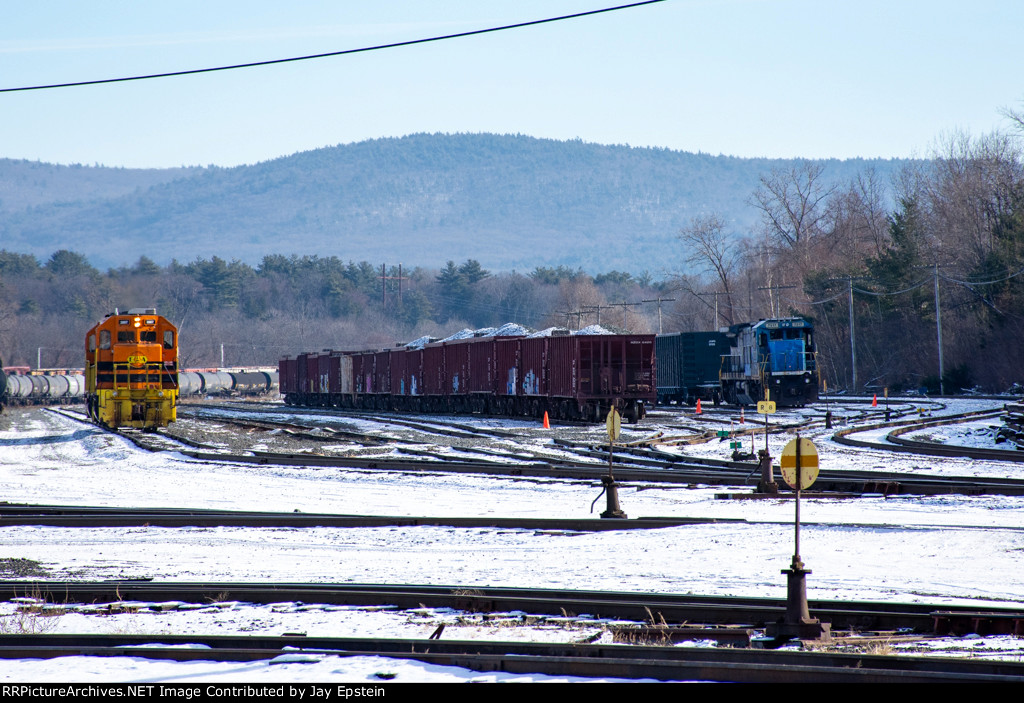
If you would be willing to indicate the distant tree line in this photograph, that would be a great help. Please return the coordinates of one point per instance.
(288, 304)
(956, 235)
(951, 228)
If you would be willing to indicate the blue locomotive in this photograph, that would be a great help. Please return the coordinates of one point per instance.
(775, 355)
(737, 364)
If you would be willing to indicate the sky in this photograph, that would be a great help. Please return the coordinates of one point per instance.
(751, 78)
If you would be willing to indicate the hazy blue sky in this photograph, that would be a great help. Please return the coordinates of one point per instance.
(776, 78)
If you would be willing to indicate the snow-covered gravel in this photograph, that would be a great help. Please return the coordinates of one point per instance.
(952, 549)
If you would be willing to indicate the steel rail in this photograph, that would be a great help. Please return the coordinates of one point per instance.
(73, 516)
(638, 607)
(843, 437)
(555, 659)
(661, 467)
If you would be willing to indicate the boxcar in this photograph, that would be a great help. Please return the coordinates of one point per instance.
(689, 364)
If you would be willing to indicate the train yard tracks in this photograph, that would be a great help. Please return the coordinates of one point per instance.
(75, 516)
(650, 458)
(646, 620)
(657, 663)
(847, 617)
(639, 462)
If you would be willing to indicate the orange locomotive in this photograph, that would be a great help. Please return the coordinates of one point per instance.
(131, 370)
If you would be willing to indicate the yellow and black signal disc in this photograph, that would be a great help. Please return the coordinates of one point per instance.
(808, 463)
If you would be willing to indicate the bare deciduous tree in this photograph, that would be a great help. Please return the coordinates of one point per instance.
(792, 203)
(711, 250)
(858, 222)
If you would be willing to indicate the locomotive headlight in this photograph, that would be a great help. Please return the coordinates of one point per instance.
(138, 322)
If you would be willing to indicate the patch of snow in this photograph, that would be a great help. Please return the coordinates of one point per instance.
(420, 343)
(593, 329)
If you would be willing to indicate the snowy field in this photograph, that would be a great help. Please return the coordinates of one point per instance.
(941, 549)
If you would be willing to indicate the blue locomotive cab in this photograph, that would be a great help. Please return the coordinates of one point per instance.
(788, 347)
(777, 355)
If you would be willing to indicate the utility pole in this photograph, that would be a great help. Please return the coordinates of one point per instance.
(597, 309)
(716, 294)
(771, 300)
(853, 343)
(938, 324)
(384, 278)
(853, 335)
(624, 305)
(568, 315)
(659, 301)
(938, 328)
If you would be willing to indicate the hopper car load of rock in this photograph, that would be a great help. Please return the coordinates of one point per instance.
(571, 377)
(737, 364)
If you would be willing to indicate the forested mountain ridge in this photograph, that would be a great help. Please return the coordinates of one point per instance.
(27, 184)
(509, 201)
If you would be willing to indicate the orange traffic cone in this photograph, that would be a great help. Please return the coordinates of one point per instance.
(742, 421)
(874, 401)
(698, 406)
(547, 425)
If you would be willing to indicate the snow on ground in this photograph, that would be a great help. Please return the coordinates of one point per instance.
(298, 668)
(836, 455)
(953, 549)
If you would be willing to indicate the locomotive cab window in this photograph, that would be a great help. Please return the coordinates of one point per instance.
(168, 339)
(92, 342)
(104, 339)
(125, 336)
(147, 336)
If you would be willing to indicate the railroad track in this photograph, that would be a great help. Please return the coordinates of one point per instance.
(634, 464)
(730, 621)
(723, 472)
(585, 660)
(66, 516)
(639, 608)
(150, 441)
(75, 516)
(319, 433)
(896, 443)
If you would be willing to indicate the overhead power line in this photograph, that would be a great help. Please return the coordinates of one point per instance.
(345, 52)
(983, 283)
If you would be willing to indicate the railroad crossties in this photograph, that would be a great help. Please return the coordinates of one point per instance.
(256, 520)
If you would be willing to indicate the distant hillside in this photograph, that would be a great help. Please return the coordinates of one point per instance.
(25, 184)
(508, 201)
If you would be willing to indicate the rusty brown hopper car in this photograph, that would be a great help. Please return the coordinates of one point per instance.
(568, 377)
